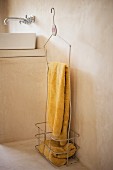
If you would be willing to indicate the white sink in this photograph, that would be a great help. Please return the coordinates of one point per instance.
(17, 41)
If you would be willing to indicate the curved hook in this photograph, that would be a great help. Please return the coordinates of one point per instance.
(52, 9)
(54, 28)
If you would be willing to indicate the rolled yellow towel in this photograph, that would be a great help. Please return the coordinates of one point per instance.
(55, 153)
(57, 161)
(69, 150)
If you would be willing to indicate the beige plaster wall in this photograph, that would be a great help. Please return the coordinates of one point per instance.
(22, 97)
(88, 26)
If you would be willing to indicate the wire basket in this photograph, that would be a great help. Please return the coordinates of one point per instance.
(44, 134)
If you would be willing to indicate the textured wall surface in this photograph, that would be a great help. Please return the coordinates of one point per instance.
(88, 26)
(22, 97)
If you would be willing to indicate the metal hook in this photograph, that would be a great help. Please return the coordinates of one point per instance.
(52, 9)
(54, 28)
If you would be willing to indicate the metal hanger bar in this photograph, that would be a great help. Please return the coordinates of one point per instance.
(59, 37)
(65, 42)
(54, 33)
(48, 40)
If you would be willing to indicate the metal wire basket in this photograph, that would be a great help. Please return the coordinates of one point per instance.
(43, 134)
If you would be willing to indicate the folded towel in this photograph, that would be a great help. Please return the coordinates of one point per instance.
(58, 100)
(56, 153)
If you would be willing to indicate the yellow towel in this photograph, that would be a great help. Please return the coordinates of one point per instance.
(56, 155)
(58, 100)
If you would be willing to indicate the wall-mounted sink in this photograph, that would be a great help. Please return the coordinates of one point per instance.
(17, 40)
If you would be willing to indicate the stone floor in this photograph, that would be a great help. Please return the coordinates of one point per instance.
(23, 156)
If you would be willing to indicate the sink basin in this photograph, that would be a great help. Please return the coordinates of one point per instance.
(17, 41)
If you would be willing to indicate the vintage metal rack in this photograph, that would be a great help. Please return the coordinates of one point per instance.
(44, 132)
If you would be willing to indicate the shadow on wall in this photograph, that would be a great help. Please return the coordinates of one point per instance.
(84, 115)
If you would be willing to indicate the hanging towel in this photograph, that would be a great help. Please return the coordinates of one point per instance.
(58, 100)
(56, 153)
